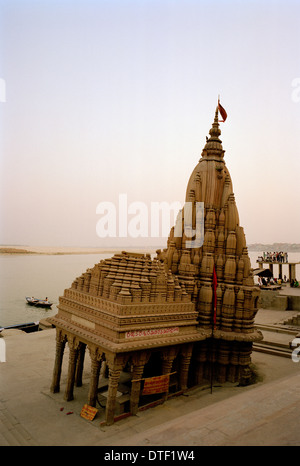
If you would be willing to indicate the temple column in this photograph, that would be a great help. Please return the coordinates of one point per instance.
(115, 364)
(232, 375)
(60, 347)
(201, 357)
(103, 368)
(73, 353)
(95, 371)
(139, 360)
(114, 376)
(80, 363)
(245, 361)
(223, 360)
(186, 355)
(167, 362)
(135, 388)
(211, 365)
(168, 357)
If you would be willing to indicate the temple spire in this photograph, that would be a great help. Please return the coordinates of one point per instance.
(213, 144)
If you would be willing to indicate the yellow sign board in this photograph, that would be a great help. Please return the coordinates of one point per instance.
(157, 384)
(88, 412)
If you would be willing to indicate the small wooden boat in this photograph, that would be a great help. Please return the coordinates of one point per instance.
(38, 302)
(27, 327)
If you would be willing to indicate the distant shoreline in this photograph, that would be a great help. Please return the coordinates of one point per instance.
(8, 250)
(274, 247)
(52, 250)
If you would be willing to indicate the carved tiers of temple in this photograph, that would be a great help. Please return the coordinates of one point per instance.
(129, 302)
(167, 314)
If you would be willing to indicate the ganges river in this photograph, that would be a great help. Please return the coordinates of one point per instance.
(41, 275)
(37, 275)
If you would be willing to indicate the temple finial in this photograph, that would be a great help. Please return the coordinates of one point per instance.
(216, 120)
(213, 144)
(215, 130)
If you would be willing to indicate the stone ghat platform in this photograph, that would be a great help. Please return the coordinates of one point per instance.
(266, 413)
(284, 298)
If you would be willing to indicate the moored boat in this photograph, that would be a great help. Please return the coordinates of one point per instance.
(27, 327)
(38, 302)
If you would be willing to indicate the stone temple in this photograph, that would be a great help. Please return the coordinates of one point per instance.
(184, 318)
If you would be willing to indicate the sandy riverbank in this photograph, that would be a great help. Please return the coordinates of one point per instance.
(67, 250)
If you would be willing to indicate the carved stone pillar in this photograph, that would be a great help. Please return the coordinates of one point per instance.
(210, 368)
(138, 360)
(168, 357)
(233, 363)
(80, 362)
(60, 347)
(201, 358)
(114, 376)
(223, 360)
(103, 368)
(135, 388)
(245, 360)
(186, 354)
(73, 353)
(115, 364)
(95, 371)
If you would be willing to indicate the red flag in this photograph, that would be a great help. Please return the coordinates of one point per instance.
(222, 111)
(215, 284)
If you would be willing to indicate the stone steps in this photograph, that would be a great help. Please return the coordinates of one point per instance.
(273, 350)
(276, 340)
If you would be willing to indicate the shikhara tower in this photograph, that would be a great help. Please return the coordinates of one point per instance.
(224, 248)
(144, 317)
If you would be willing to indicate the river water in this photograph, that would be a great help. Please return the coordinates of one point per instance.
(37, 275)
(49, 275)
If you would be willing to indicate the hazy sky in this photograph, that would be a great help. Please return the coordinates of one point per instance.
(104, 98)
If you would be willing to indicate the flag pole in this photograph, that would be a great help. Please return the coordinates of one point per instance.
(212, 349)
